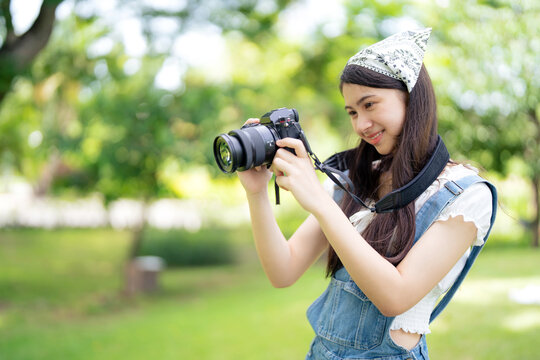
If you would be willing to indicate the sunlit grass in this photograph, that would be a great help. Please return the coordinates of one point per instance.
(60, 299)
(482, 322)
(526, 320)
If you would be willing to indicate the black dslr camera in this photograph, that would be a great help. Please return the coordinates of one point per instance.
(255, 144)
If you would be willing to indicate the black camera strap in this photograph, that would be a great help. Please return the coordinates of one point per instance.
(401, 197)
(396, 199)
(276, 188)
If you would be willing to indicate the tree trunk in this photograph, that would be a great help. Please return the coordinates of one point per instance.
(535, 180)
(48, 174)
(139, 277)
(136, 241)
(133, 275)
(536, 219)
(17, 52)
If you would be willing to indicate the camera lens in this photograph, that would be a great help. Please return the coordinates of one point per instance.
(225, 155)
(227, 152)
(245, 148)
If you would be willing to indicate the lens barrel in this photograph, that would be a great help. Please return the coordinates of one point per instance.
(245, 148)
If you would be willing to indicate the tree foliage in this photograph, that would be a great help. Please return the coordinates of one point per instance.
(489, 87)
(77, 121)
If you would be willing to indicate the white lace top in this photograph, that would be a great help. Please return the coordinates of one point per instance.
(474, 204)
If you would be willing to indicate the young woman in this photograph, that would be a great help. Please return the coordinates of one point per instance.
(387, 270)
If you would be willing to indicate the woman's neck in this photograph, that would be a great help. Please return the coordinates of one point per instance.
(385, 184)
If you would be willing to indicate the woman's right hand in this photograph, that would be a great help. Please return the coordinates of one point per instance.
(255, 180)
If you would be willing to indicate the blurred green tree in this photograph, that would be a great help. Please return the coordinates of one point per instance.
(98, 122)
(489, 87)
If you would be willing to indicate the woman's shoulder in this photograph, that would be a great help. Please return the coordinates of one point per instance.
(452, 172)
(456, 171)
(474, 205)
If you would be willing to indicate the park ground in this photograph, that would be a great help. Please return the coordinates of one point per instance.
(60, 298)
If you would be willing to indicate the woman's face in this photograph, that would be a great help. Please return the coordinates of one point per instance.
(377, 115)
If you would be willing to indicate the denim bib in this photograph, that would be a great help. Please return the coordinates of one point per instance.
(349, 326)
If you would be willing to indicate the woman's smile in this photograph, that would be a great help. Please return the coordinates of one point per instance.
(374, 139)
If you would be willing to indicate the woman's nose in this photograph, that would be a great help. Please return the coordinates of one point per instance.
(363, 123)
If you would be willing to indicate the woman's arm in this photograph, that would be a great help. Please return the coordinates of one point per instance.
(392, 289)
(283, 261)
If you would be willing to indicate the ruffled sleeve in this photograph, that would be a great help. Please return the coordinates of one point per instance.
(474, 204)
(334, 190)
(329, 186)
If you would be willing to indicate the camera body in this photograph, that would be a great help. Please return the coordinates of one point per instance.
(255, 144)
(284, 121)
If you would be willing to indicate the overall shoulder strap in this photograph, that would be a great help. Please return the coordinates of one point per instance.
(431, 211)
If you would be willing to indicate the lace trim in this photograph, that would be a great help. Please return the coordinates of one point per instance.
(422, 329)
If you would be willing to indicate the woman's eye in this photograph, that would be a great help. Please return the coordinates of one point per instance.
(369, 105)
(352, 113)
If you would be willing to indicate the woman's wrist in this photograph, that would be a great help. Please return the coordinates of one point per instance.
(325, 206)
(257, 195)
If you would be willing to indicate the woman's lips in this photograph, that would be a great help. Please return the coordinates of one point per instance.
(375, 138)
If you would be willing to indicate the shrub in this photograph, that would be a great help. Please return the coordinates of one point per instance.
(183, 248)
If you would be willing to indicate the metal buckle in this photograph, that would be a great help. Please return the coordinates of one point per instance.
(453, 187)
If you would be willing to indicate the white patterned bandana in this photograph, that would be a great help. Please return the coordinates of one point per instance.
(399, 56)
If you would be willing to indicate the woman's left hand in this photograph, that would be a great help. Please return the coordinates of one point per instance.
(295, 173)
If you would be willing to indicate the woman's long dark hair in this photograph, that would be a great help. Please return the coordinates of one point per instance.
(390, 234)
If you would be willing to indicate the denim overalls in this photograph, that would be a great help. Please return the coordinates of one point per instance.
(349, 326)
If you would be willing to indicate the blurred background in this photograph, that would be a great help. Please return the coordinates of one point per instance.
(120, 237)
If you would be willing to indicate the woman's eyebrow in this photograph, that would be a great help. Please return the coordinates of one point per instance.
(361, 100)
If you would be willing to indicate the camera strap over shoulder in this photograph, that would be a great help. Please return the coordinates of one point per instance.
(398, 198)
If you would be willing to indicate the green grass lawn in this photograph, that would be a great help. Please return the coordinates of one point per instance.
(60, 298)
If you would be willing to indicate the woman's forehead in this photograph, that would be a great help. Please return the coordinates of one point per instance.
(353, 92)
